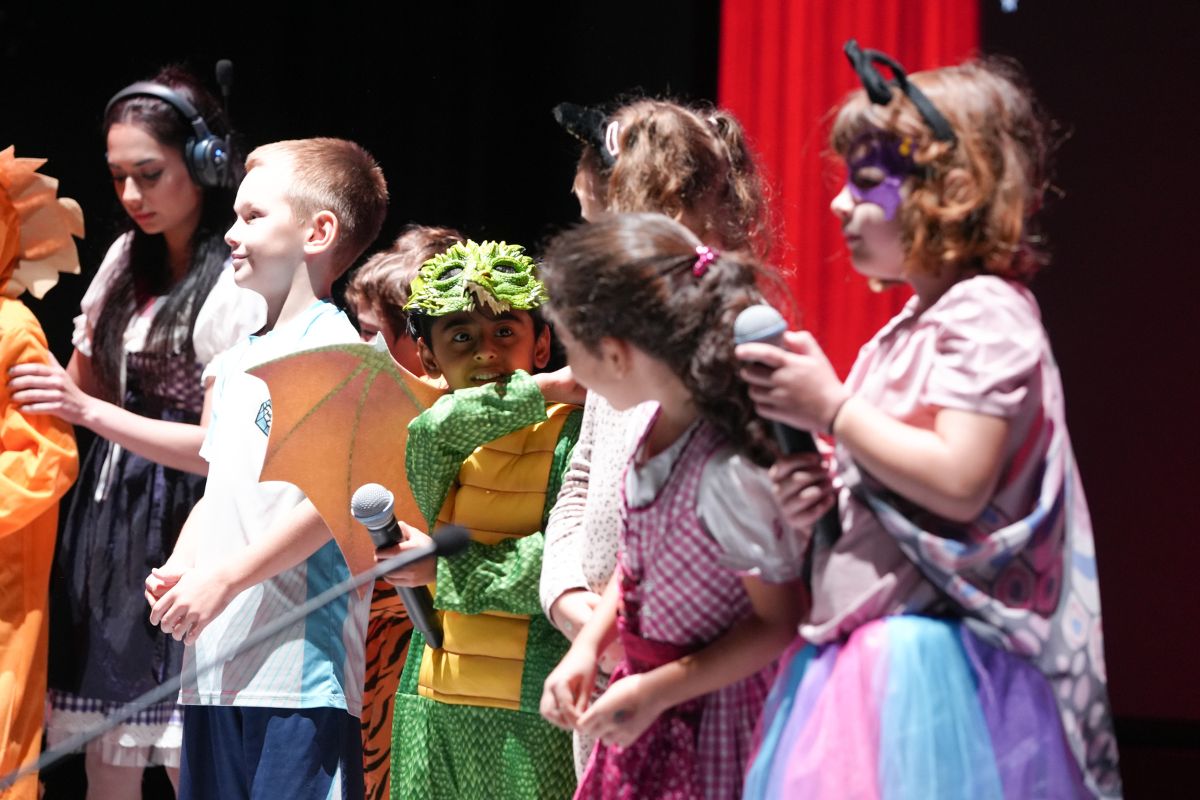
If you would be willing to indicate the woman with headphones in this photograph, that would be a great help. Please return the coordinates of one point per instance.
(162, 305)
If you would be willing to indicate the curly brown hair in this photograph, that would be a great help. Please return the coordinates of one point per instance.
(691, 163)
(970, 207)
(382, 282)
(629, 277)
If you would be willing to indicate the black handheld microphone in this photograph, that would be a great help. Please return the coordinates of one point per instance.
(374, 506)
(762, 323)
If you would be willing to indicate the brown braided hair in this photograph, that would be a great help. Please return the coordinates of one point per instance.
(630, 277)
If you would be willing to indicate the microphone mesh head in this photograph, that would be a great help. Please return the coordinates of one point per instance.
(372, 502)
(760, 323)
(225, 74)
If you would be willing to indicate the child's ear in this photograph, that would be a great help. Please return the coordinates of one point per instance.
(428, 361)
(322, 233)
(616, 355)
(541, 348)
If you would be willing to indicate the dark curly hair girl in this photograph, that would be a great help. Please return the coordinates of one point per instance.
(634, 277)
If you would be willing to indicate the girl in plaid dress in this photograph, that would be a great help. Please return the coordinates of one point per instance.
(706, 593)
(691, 162)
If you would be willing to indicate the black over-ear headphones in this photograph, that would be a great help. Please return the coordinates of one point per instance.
(207, 155)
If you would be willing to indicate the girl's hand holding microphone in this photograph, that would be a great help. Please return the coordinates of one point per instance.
(793, 383)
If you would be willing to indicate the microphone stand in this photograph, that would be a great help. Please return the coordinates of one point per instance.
(454, 541)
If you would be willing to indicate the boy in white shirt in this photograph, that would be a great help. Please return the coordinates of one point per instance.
(280, 720)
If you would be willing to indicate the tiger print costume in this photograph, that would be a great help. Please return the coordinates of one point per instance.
(388, 632)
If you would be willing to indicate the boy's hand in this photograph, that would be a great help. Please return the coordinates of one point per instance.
(160, 580)
(195, 600)
(419, 574)
(568, 687)
(623, 713)
(560, 386)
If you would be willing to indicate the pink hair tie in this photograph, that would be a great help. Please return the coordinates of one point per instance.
(705, 255)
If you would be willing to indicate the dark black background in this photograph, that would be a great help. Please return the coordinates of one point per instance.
(1120, 304)
(454, 100)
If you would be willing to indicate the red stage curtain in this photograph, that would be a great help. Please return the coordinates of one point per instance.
(781, 71)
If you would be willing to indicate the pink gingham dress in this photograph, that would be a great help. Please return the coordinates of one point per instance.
(677, 599)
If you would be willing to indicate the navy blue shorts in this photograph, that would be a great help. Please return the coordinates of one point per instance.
(236, 753)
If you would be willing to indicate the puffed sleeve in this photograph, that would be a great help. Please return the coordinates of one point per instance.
(38, 460)
(988, 347)
(93, 299)
(229, 314)
(738, 508)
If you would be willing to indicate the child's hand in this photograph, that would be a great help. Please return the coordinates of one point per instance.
(623, 713)
(567, 689)
(794, 384)
(803, 488)
(160, 580)
(419, 574)
(48, 389)
(560, 386)
(194, 601)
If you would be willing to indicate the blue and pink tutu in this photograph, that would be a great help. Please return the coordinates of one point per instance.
(911, 707)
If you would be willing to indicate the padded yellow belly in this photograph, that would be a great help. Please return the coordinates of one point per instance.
(500, 494)
(471, 680)
(485, 635)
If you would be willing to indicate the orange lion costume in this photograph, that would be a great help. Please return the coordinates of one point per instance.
(38, 461)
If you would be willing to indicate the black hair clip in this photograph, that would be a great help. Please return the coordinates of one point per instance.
(587, 124)
(880, 91)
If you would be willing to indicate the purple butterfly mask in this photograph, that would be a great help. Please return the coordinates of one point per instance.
(880, 163)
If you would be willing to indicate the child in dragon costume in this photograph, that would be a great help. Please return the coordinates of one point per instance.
(38, 461)
(489, 456)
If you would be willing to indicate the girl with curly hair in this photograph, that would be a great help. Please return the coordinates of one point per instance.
(954, 645)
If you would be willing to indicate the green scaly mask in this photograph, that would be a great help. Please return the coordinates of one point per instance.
(492, 275)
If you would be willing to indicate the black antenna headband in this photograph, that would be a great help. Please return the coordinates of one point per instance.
(880, 91)
(589, 125)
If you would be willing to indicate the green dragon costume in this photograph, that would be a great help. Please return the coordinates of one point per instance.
(490, 459)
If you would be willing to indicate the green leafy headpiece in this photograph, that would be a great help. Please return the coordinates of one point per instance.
(493, 275)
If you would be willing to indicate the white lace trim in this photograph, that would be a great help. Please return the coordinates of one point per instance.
(126, 745)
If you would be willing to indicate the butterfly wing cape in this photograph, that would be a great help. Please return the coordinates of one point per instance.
(340, 419)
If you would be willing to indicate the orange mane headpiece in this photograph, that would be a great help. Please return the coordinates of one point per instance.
(36, 228)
